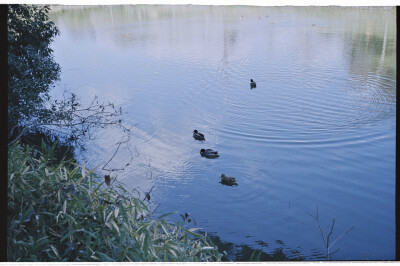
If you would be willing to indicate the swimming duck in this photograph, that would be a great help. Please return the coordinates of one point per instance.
(209, 153)
(197, 135)
(252, 84)
(228, 180)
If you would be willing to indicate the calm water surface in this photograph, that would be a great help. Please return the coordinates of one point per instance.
(319, 129)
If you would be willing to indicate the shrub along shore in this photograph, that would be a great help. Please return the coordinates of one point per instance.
(61, 211)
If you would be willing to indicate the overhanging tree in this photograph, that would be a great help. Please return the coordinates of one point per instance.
(32, 69)
(32, 74)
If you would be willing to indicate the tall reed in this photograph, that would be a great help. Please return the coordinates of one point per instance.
(61, 211)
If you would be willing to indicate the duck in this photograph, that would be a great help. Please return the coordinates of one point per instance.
(197, 135)
(228, 180)
(209, 153)
(252, 83)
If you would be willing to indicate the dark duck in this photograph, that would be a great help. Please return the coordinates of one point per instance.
(209, 153)
(228, 180)
(197, 135)
(252, 84)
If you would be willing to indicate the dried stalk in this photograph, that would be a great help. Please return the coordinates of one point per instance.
(328, 238)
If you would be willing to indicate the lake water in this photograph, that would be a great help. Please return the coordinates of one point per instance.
(319, 129)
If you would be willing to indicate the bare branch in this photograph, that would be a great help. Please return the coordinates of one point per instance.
(18, 136)
(342, 235)
(327, 240)
(319, 226)
(155, 208)
(116, 151)
(329, 235)
(75, 123)
(335, 251)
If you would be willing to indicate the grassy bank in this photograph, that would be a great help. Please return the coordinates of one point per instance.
(60, 211)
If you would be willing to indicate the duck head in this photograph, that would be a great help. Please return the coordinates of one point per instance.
(195, 131)
(202, 150)
(251, 80)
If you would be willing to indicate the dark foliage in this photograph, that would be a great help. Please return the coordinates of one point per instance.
(36, 140)
(32, 74)
(32, 69)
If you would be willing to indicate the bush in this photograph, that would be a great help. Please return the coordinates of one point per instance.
(60, 211)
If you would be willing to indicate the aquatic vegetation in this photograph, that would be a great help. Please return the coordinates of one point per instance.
(62, 211)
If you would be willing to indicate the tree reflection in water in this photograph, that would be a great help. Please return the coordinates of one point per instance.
(244, 252)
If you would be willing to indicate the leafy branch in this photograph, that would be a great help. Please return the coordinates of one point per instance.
(71, 120)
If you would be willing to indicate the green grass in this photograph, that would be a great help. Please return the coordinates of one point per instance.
(60, 211)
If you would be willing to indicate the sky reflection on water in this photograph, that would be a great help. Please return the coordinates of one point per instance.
(319, 129)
